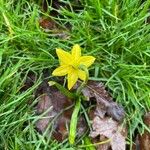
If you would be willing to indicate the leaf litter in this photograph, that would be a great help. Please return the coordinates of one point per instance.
(106, 119)
(105, 104)
(144, 140)
(58, 110)
(109, 128)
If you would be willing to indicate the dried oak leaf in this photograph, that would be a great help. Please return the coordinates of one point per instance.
(105, 104)
(56, 107)
(110, 129)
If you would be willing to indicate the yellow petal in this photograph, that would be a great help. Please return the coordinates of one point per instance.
(76, 51)
(72, 78)
(64, 57)
(82, 75)
(86, 60)
(61, 71)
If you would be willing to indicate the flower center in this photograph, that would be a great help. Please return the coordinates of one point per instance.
(75, 65)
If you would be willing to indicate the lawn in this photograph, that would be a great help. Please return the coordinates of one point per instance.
(115, 32)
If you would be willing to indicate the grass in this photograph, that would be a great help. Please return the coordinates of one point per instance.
(116, 33)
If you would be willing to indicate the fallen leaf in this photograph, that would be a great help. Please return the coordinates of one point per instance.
(58, 107)
(105, 104)
(105, 146)
(144, 140)
(53, 102)
(47, 24)
(44, 104)
(110, 129)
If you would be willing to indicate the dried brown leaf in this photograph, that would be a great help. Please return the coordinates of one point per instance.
(105, 146)
(54, 102)
(45, 104)
(55, 105)
(144, 140)
(110, 129)
(105, 104)
(47, 24)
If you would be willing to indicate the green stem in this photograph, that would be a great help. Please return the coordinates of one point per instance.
(88, 142)
(62, 89)
(74, 120)
(95, 144)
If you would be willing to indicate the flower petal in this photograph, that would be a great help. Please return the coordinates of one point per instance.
(82, 75)
(72, 78)
(64, 57)
(86, 60)
(76, 51)
(61, 71)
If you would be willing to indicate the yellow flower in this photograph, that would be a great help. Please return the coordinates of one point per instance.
(70, 63)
